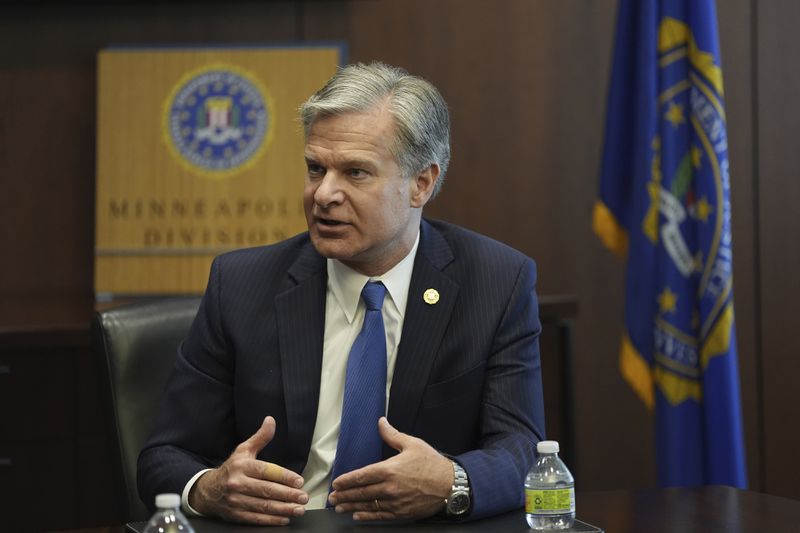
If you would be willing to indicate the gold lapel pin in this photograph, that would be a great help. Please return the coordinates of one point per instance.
(431, 296)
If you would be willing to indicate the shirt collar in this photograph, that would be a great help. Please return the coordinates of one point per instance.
(346, 284)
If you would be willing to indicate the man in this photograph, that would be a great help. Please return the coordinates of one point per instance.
(265, 388)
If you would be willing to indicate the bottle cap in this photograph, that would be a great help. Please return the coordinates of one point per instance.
(168, 501)
(547, 446)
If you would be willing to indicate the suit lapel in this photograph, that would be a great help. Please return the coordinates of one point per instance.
(423, 327)
(301, 329)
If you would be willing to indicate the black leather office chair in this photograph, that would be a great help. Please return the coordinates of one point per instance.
(135, 347)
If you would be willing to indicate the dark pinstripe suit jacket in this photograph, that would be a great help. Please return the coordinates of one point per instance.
(467, 378)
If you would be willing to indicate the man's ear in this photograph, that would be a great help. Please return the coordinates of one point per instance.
(423, 184)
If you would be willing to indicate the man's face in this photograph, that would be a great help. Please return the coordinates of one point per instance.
(359, 207)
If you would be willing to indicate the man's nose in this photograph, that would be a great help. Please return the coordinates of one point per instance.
(329, 191)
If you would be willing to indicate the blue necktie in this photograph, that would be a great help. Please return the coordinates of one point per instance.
(364, 390)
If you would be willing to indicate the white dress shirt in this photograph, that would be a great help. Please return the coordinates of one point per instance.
(344, 316)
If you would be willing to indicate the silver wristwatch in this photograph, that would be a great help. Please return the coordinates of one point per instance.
(458, 502)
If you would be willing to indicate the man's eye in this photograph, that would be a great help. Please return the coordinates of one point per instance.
(315, 170)
(358, 172)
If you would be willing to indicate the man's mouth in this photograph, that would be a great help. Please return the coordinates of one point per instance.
(329, 222)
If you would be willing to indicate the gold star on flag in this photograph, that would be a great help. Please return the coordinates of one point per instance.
(698, 261)
(675, 114)
(667, 300)
(697, 156)
(656, 144)
(703, 209)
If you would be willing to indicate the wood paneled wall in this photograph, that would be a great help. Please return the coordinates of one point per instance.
(526, 82)
(777, 166)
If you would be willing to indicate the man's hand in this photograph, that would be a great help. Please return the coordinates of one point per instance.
(413, 484)
(244, 489)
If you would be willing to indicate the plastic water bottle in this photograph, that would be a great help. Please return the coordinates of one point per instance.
(168, 517)
(549, 491)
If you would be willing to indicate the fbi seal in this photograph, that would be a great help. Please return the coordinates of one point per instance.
(218, 120)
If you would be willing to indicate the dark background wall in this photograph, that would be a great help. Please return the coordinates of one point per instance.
(526, 81)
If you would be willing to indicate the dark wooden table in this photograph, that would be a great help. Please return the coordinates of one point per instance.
(706, 510)
(702, 510)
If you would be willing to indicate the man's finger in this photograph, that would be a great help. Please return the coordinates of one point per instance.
(370, 498)
(272, 490)
(272, 472)
(259, 439)
(267, 506)
(368, 475)
(392, 436)
(364, 507)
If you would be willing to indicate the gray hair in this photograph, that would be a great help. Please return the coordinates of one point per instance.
(420, 113)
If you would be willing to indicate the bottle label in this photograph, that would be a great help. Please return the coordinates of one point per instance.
(549, 501)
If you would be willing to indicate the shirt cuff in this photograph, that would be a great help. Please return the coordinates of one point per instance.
(188, 509)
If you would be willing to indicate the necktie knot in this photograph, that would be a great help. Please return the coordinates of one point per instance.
(373, 294)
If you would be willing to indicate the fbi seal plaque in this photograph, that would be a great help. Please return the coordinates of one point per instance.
(217, 120)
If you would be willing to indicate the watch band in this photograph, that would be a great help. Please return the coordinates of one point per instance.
(459, 502)
(461, 481)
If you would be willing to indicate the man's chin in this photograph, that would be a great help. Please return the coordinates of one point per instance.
(332, 248)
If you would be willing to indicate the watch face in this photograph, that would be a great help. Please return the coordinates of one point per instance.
(458, 503)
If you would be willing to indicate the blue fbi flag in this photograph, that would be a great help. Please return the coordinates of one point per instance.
(664, 206)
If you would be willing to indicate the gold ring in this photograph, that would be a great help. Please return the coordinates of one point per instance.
(377, 505)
